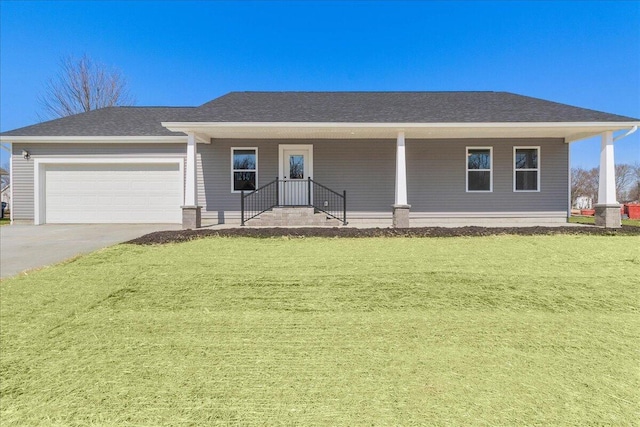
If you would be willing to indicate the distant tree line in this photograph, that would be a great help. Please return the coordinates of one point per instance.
(584, 183)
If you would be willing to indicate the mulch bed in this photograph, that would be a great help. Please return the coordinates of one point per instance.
(162, 237)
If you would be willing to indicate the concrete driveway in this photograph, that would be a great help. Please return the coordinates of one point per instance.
(25, 247)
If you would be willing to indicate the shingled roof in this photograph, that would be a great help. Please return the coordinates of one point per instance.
(392, 107)
(109, 121)
(323, 107)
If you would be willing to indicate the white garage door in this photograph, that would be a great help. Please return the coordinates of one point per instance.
(113, 193)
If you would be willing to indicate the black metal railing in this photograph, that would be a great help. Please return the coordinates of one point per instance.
(293, 192)
(328, 201)
(253, 203)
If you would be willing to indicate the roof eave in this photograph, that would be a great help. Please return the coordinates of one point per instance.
(569, 131)
(95, 139)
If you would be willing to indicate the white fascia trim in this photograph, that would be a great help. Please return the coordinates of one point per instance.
(184, 126)
(97, 139)
(40, 163)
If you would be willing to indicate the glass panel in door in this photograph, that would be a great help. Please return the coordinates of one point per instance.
(295, 188)
(296, 166)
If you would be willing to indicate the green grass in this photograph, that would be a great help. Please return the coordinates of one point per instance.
(501, 330)
(591, 220)
(5, 221)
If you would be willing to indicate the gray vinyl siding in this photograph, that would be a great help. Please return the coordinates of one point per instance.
(366, 170)
(23, 185)
(436, 172)
(216, 196)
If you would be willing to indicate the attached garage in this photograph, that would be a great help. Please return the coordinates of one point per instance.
(109, 191)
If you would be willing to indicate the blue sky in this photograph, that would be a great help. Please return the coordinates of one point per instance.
(186, 53)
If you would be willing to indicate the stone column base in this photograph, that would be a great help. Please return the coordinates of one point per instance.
(608, 216)
(191, 217)
(401, 216)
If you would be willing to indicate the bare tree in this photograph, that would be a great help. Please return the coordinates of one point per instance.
(634, 187)
(584, 183)
(624, 178)
(83, 85)
(5, 179)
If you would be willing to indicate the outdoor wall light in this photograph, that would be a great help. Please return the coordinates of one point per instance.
(26, 155)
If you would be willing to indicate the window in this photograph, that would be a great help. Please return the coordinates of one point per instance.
(244, 169)
(296, 166)
(479, 169)
(526, 168)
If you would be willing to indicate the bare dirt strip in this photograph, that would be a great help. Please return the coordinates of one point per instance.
(162, 237)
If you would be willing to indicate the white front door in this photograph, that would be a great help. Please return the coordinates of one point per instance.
(296, 167)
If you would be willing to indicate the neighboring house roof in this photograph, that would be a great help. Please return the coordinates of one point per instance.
(321, 107)
(109, 121)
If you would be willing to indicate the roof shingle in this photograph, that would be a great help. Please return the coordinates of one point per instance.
(392, 107)
(109, 121)
(322, 107)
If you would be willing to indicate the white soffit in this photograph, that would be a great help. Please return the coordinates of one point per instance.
(568, 131)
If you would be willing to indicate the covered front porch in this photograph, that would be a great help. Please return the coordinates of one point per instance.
(390, 173)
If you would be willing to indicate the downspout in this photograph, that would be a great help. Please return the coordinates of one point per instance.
(619, 137)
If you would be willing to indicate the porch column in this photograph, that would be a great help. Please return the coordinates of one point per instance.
(191, 211)
(607, 208)
(401, 207)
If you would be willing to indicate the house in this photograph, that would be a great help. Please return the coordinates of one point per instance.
(399, 157)
(5, 195)
(583, 202)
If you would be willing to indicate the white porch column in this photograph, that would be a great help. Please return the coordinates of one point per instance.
(191, 189)
(607, 180)
(401, 171)
(191, 210)
(607, 207)
(401, 207)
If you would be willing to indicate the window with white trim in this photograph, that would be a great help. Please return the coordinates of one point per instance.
(526, 168)
(479, 169)
(244, 169)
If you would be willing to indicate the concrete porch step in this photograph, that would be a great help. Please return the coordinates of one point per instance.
(293, 216)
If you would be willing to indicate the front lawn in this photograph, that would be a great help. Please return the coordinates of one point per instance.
(500, 330)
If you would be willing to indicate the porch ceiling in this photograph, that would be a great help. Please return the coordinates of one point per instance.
(224, 130)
